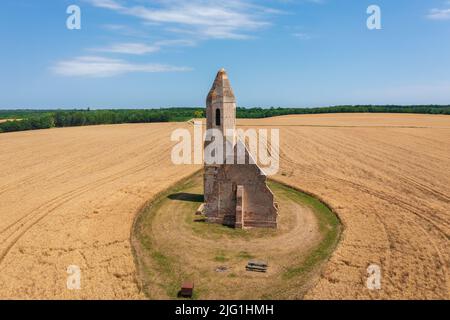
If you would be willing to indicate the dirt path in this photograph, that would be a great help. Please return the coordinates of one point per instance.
(174, 245)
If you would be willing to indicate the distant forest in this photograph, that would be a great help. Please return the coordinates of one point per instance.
(21, 120)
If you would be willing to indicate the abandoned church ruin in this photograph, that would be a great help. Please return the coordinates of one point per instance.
(236, 195)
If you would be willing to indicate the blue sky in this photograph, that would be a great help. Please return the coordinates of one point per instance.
(288, 53)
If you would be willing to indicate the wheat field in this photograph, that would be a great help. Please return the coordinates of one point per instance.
(388, 179)
(69, 197)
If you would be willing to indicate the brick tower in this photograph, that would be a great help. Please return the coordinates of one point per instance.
(235, 194)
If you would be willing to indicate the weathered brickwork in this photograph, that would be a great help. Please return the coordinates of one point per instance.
(235, 194)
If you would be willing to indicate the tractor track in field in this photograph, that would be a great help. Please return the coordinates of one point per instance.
(70, 196)
(36, 215)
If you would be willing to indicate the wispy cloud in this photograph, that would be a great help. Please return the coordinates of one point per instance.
(439, 14)
(129, 48)
(95, 66)
(232, 19)
(107, 4)
(302, 36)
(142, 48)
(125, 30)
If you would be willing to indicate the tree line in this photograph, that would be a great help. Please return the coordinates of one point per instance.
(272, 112)
(21, 120)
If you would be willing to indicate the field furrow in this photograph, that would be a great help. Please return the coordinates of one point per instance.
(69, 197)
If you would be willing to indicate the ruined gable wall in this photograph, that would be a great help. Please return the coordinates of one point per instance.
(220, 205)
(259, 208)
(221, 182)
(220, 195)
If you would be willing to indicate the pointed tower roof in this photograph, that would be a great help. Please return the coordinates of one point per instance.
(221, 90)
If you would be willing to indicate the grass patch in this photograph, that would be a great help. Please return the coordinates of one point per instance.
(216, 231)
(149, 259)
(245, 255)
(221, 258)
(162, 268)
(162, 261)
(329, 227)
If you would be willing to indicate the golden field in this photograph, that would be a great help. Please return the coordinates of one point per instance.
(69, 197)
(388, 179)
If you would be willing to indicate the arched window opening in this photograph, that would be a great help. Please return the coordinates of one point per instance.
(217, 117)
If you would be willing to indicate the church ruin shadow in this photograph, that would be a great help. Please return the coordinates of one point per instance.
(188, 197)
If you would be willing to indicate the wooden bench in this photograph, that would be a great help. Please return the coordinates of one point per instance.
(257, 266)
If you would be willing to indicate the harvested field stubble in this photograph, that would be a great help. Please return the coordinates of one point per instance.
(69, 196)
(388, 178)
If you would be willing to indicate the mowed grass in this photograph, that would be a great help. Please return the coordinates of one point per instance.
(329, 228)
(150, 261)
(164, 264)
